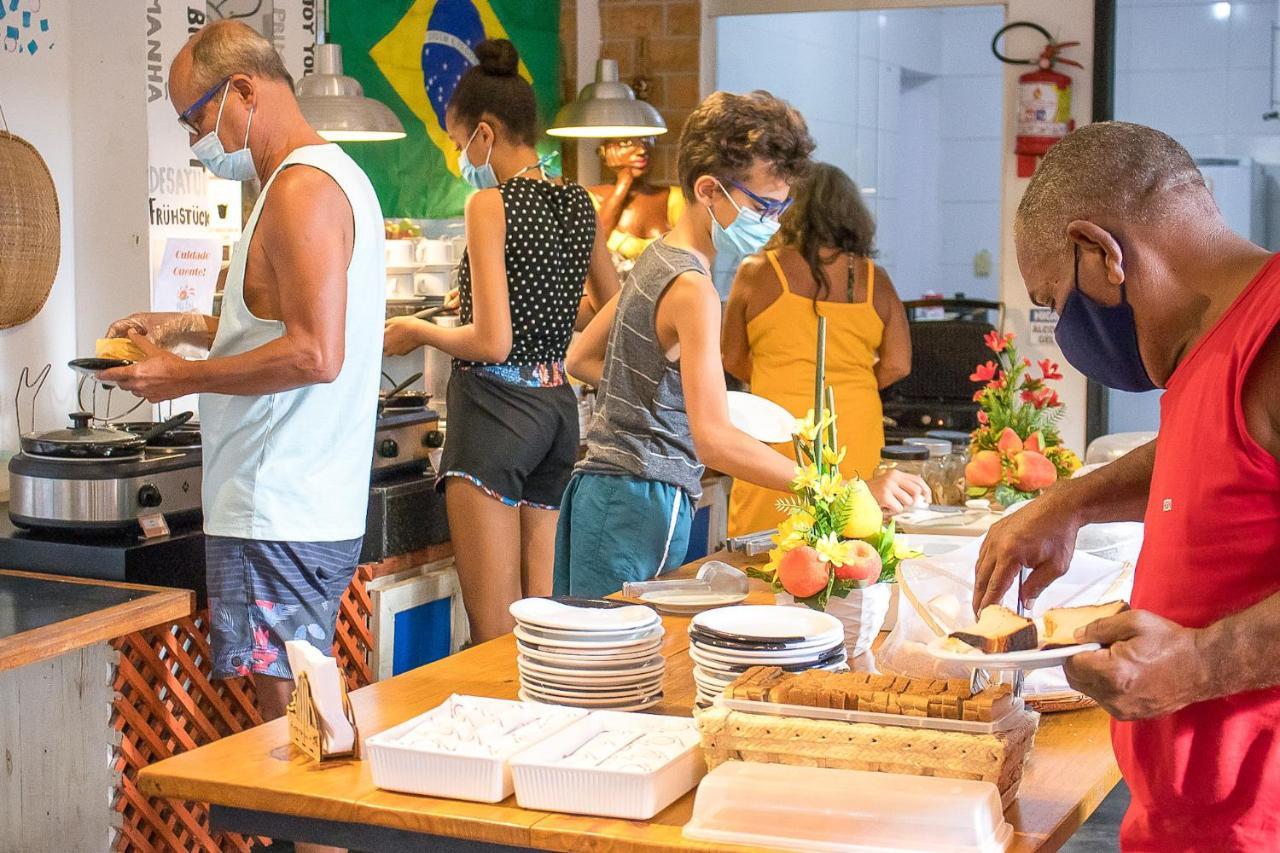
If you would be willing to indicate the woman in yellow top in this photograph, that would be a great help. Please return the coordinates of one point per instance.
(819, 263)
(632, 211)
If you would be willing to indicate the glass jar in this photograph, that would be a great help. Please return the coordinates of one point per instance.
(956, 461)
(903, 457)
(935, 467)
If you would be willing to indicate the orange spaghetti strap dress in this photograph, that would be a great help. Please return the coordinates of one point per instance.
(783, 340)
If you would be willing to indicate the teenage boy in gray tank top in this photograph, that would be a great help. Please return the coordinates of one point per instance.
(654, 354)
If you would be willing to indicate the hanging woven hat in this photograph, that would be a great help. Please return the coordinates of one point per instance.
(30, 231)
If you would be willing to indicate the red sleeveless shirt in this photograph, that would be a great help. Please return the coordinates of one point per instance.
(1208, 776)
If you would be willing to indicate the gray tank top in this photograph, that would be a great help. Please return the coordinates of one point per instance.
(640, 427)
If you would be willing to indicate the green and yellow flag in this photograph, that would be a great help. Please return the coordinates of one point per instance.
(410, 54)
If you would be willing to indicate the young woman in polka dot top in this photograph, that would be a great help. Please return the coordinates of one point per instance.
(536, 266)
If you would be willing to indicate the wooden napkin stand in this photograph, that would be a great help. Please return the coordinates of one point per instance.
(304, 723)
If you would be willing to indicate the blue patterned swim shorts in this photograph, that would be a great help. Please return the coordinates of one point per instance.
(262, 594)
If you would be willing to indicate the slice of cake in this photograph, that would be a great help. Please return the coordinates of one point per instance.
(1061, 623)
(999, 630)
(118, 348)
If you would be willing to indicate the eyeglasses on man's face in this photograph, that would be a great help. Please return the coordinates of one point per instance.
(187, 119)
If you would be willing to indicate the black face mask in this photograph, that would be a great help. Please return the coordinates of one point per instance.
(1101, 341)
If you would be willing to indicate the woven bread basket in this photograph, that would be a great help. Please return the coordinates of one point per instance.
(997, 758)
(30, 231)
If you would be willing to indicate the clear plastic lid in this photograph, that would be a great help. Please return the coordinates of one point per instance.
(815, 808)
(936, 447)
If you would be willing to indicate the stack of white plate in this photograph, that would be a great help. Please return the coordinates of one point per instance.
(589, 654)
(726, 642)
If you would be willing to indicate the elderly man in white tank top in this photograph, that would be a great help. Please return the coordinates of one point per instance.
(289, 393)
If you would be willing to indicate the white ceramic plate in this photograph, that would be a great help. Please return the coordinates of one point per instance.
(714, 655)
(577, 660)
(647, 638)
(768, 622)
(639, 704)
(1033, 659)
(763, 420)
(600, 638)
(738, 666)
(545, 613)
(735, 647)
(689, 603)
(619, 693)
(591, 676)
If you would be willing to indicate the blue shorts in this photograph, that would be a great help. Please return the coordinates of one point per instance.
(262, 594)
(615, 529)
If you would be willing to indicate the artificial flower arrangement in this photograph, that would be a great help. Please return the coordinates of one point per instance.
(1017, 451)
(833, 540)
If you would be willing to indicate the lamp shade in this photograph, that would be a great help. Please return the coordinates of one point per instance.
(606, 109)
(336, 107)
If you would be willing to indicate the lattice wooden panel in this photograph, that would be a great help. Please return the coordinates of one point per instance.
(353, 634)
(165, 703)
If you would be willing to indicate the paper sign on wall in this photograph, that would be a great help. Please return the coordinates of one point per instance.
(187, 275)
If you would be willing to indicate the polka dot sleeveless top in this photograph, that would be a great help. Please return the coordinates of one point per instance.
(551, 229)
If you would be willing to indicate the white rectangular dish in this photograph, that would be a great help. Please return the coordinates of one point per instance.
(548, 777)
(461, 749)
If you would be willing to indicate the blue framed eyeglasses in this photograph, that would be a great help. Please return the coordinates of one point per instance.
(766, 208)
(187, 117)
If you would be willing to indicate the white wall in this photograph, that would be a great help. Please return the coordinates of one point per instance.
(907, 101)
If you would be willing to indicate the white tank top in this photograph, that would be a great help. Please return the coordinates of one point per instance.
(294, 466)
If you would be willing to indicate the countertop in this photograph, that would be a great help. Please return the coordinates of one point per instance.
(256, 776)
(42, 615)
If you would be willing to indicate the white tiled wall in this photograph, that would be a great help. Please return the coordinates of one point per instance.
(909, 103)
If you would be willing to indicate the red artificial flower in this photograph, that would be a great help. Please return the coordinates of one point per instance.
(979, 394)
(998, 383)
(983, 372)
(1031, 397)
(983, 418)
(1026, 362)
(994, 342)
(1049, 368)
(1052, 400)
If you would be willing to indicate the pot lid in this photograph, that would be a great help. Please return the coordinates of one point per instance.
(81, 431)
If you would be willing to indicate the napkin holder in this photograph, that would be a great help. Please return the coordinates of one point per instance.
(304, 723)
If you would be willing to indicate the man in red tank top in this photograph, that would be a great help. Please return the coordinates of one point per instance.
(1118, 233)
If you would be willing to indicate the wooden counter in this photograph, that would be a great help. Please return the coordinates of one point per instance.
(42, 616)
(258, 783)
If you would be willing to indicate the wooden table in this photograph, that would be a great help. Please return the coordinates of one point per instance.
(259, 784)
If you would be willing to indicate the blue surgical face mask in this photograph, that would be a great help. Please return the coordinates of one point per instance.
(233, 166)
(1101, 341)
(481, 177)
(745, 235)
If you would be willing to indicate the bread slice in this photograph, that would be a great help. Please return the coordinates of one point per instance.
(118, 348)
(999, 630)
(1061, 623)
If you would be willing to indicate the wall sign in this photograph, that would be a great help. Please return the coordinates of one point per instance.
(1043, 323)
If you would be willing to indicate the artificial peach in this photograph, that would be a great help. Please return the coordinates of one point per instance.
(984, 470)
(864, 563)
(802, 572)
(1033, 471)
(1034, 442)
(1009, 441)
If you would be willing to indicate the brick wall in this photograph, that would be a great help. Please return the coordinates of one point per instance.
(656, 38)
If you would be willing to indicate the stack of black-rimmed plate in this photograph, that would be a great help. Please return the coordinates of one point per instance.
(589, 653)
(724, 643)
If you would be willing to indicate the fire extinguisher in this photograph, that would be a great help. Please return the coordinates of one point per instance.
(1044, 98)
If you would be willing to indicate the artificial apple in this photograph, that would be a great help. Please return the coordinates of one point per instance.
(984, 470)
(865, 516)
(1033, 471)
(1009, 441)
(802, 572)
(864, 564)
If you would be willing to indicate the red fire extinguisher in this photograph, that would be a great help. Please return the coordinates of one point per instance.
(1044, 98)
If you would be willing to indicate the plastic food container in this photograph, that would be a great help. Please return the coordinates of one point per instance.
(480, 771)
(819, 809)
(543, 780)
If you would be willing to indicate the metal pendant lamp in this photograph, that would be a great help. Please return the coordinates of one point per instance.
(606, 109)
(335, 104)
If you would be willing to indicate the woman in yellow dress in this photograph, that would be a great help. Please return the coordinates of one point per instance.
(820, 263)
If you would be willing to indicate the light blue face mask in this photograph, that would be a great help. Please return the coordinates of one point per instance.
(747, 233)
(481, 177)
(233, 166)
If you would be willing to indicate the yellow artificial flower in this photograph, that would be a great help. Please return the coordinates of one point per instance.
(799, 520)
(830, 486)
(903, 551)
(833, 551)
(806, 478)
(775, 557)
(830, 457)
(788, 538)
(807, 430)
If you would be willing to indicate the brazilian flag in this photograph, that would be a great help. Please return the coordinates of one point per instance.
(410, 54)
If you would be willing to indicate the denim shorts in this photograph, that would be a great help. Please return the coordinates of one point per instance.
(614, 529)
(262, 594)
